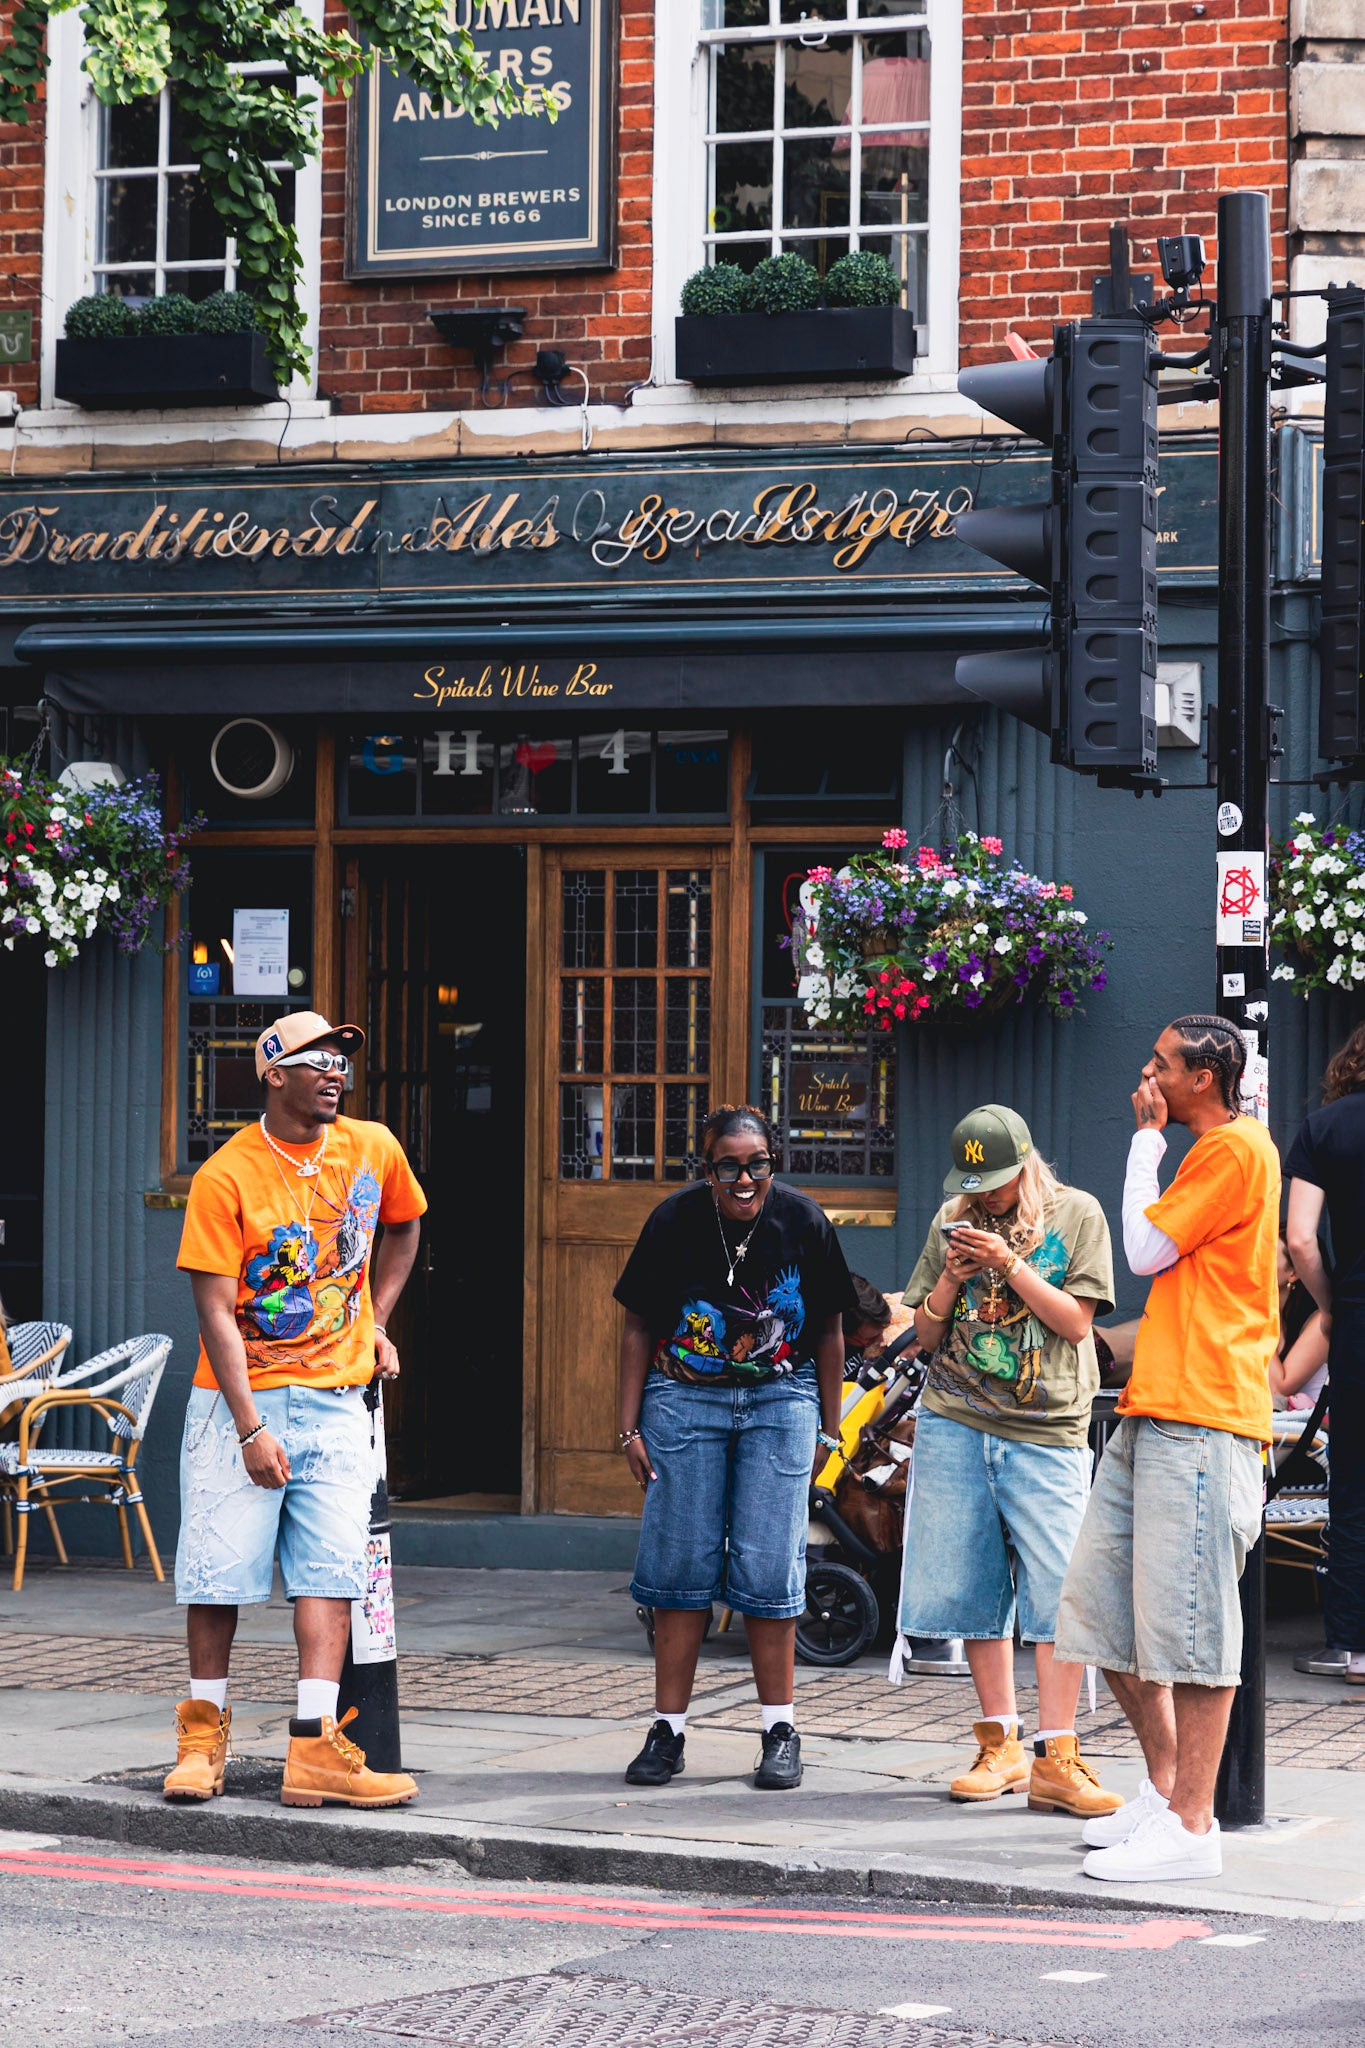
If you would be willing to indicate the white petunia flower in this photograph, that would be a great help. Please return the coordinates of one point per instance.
(1303, 844)
(49, 959)
(1003, 943)
(1283, 974)
(1305, 920)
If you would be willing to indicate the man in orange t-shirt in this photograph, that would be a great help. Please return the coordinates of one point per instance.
(1152, 1592)
(277, 1449)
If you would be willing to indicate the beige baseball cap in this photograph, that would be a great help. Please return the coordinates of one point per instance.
(297, 1032)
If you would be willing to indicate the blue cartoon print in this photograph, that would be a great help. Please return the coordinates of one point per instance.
(307, 1285)
(752, 1339)
(280, 1277)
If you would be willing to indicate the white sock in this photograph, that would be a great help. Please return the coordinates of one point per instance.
(214, 1690)
(1051, 1734)
(318, 1699)
(772, 1715)
(1356, 1663)
(677, 1722)
(1011, 1723)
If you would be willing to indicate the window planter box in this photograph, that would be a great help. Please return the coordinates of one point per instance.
(790, 348)
(157, 370)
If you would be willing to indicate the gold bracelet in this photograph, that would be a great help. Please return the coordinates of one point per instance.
(1012, 1265)
(933, 1313)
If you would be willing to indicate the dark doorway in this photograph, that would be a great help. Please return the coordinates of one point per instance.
(435, 956)
(23, 999)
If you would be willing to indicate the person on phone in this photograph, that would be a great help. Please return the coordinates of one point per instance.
(1152, 1596)
(1014, 1269)
(278, 1233)
(732, 1361)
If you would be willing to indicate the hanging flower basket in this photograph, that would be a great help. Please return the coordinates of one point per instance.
(1317, 906)
(76, 862)
(957, 931)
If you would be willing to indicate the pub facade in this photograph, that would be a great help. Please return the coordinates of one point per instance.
(515, 707)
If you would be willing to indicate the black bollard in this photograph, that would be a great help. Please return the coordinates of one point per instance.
(369, 1675)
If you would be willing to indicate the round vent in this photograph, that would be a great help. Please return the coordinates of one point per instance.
(251, 759)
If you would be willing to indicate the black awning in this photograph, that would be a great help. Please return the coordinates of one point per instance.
(871, 656)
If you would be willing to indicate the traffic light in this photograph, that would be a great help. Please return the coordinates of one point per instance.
(1341, 715)
(1092, 547)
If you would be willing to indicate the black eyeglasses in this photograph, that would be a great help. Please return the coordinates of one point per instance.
(728, 1171)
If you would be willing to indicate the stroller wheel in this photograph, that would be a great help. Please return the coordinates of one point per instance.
(840, 1620)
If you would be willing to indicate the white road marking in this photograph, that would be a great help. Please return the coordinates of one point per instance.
(913, 2012)
(1073, 1976)
(1230, 1940)
(15, 1845)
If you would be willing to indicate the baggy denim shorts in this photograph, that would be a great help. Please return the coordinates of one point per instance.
(726, 1518)
(975, 1498)
(321, 1518)
(1152, 1587)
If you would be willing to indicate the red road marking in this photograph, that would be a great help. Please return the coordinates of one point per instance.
(488, 1903)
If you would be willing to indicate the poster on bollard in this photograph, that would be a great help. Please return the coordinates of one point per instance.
(1242, 906)
(374, 1639)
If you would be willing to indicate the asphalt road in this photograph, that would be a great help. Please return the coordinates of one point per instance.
(99, 1944)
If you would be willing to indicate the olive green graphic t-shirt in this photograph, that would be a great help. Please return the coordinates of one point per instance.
(997, 1367)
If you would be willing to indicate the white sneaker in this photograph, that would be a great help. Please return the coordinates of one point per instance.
(1159, 1848)
(1108, 1828)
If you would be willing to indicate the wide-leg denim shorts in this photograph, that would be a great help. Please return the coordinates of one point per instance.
(726, 1518)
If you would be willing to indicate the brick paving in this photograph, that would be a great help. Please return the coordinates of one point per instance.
(845, 1705)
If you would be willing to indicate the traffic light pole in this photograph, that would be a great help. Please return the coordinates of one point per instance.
(1242, 338)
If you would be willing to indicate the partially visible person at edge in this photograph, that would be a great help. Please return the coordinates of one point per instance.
(277, 1446)
(732, 1365)
(1013, 1271)
(1325, 1168)
(5, 1364)
(1299, 1367)
(1151, 1596)
(866, 1325)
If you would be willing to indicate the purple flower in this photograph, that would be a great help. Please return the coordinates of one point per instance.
(1035, 955)
(1099, 979)
(1067, 998)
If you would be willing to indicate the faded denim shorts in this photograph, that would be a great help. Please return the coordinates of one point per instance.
(320, 1519)
(989, 1533)
(726, 1518)
(1153, 1584)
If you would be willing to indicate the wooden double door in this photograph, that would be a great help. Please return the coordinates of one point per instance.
(548, 1028)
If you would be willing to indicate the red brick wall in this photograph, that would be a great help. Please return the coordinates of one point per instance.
(378, 352)
(1076, 115)
(21, 240)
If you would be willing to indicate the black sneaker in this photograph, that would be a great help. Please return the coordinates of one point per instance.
(779, 1767)
(659, 1760)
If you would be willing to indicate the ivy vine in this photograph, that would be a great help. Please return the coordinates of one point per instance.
(238, 123)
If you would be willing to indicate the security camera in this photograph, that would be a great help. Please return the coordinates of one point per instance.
(1182, 259)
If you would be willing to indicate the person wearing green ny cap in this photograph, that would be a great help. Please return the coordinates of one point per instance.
(1014, 1269)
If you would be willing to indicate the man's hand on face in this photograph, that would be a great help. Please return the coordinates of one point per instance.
(1149, 1106)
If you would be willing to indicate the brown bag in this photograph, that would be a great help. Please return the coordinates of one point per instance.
(870, 1495)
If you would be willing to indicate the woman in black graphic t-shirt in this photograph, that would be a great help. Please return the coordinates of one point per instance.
(731, 1358)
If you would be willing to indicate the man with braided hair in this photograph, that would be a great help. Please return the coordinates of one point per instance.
(1151, 1594)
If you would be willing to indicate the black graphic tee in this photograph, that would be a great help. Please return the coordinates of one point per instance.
(708, 1333)
(1330, 1152)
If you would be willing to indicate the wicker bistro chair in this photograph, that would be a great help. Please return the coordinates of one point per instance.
(32, 1470)
(36, 1351)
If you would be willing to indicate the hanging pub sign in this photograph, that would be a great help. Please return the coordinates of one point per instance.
(430, 192)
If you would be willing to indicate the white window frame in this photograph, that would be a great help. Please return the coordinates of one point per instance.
(72, 200)
(681, 168)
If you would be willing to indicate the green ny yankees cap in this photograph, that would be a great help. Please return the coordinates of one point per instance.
(989, 1146)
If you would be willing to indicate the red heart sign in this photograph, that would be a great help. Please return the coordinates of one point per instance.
(536, 755)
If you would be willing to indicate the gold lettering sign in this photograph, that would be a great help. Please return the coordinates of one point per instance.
(829, 1093)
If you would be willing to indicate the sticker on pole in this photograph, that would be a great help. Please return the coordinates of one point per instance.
(1242, 907)
(373, 1637)
(1229, 818)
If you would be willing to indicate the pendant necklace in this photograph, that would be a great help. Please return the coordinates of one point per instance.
(306, 1169)
(733, 1258)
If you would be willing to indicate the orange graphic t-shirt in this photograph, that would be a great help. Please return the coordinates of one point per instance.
(299, 1249)
(1212, 1319)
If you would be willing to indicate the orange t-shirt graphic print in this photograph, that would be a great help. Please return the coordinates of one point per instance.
(299, 1249)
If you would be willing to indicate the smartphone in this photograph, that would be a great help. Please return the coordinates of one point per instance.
(950, 1229)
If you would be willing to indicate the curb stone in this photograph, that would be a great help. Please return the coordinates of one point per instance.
(378, 1841)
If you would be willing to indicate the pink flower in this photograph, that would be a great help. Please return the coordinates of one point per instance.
(993, 845)
(894, 838)
(1065, 891)
(53, 832)
(820, 875)
(1048, 889)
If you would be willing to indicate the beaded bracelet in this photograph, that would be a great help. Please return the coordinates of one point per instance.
(243, 1441)
(831, 1443)
(627, 1438)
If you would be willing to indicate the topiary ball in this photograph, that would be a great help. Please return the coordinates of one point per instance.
(784, 284)
(228, 313)
(724, 288)
(172, 314)
(102, 317)
(862, 278)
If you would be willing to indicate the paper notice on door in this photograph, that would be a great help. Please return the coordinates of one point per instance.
(260, 952)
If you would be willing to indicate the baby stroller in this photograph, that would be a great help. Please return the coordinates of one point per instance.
(857, 1507)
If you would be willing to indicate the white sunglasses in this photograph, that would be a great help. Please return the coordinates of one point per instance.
(321, 1061)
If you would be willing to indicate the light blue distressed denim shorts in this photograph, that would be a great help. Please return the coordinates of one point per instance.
(726, 1518)
(989, 1532)
(229, 1528)
(1153, 1584)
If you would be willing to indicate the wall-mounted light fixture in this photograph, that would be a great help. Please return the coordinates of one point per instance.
(484, 330)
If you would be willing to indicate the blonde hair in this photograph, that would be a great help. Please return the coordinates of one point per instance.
(1038, 1190)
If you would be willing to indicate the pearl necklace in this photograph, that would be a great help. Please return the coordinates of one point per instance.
(734, 1258)
(310, 1167)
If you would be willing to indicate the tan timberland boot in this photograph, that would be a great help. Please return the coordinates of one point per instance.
(201, 1748)
(1002, 1765)
(1063, 1782)
(328, 1769)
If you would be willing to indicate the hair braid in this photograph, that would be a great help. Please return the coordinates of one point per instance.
(1217, 1044)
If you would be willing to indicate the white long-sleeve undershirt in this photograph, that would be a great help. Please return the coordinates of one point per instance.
(1147, 1249)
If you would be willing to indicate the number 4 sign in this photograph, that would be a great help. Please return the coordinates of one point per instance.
(1242, 907)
